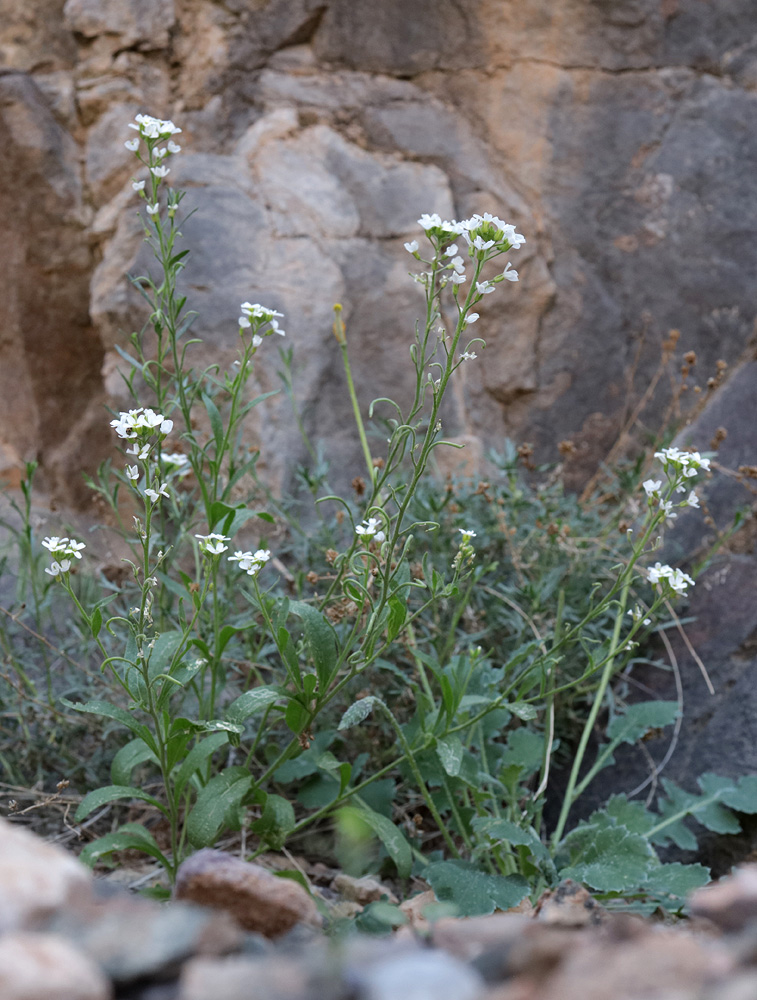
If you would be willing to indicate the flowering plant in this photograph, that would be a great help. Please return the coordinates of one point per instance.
(233, 688)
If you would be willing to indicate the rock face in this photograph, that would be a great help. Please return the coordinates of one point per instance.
(618, 136)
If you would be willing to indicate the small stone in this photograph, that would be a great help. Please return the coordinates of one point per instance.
(413, 909)
(258, 900)
(361, 890)
(730, 904)
(132, 938)
(468, 937)
(36, 879)
(240, 978)
(47, 967)
(418, 975)
(570, 905)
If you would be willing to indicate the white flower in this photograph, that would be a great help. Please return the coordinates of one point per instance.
(679, 581)
(457, 279)
(468, 356)
(658, 572)
(652, 487)
(691, 501)
(471, 318)
(153, 128)
(175, 461)
(140, 451)
(513, 238)
(479, 243)
(244, 323)
(56, 568)
(153, 209)
(412, 246)
(484, 287)
(212, 544)
(251, 562)
(510, 275)
(160, 171)
(458, 264)
(173, 147)
(666, 506)
(451, 250)
(638, 616)
(371, 529)
(132, 145)
(74, 548)
(138, 185)
(429, 221)
(55, 544)
(155, 495)
(274, 323)
(132, 472)
(467, 534)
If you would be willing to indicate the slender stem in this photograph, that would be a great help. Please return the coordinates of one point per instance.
(570, 792)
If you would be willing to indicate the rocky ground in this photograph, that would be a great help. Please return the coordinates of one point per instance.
(235, 931)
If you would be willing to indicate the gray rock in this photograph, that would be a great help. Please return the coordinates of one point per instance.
(417, 975)
(139, 22)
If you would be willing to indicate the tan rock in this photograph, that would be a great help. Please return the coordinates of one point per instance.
(361, 890)
(413, 908)
(37, 880)
(46, 967)
(239, 978)
(659, 964)
(570, 905)
(258, 900)
(731, 903)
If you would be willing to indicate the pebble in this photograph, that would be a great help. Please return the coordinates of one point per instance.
(258, 900)
(36, 879)
(35, 966)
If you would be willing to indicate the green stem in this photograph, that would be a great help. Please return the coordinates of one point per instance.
(570, 792)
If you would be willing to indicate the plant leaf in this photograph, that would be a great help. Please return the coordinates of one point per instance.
(320, 638)
(276, 822)
(112, 793)
(608, 860)
(473, 892)
(134, 753)
(198, 757)
(357, 712)
(450, 752)
(130, 836)
(214, 804)
(251, 702)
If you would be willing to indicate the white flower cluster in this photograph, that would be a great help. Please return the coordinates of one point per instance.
(154, 128)
(255, 316)
(176, 462)
(140, 423)
(480, 232)
(680, 468)
(212, 544)
(371, 528)
(251, 562)
(676, 579)
(63, 551)
(681, 464)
